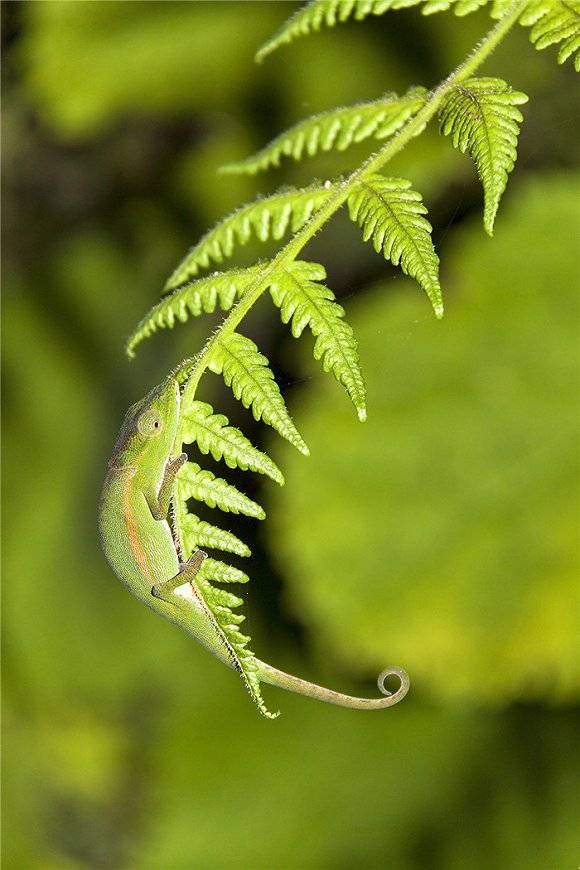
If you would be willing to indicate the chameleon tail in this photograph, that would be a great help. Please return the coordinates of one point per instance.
(274, 677)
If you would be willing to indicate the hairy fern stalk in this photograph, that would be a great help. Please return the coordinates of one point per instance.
(480, 115)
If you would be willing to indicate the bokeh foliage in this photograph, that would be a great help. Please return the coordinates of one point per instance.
(439, 536)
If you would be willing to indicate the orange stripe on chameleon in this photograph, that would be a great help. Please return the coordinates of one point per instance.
(136, 545)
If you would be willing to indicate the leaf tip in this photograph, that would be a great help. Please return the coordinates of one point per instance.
(362, 414)
(229, 169)
(489, 216)
(439, 310)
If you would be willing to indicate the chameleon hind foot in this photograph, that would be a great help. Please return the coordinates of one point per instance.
(187, 572)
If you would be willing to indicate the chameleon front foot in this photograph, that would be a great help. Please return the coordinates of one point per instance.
(187, 572)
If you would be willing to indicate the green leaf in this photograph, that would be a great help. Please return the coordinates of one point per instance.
(212, 569)
(246, 371)
(392, 215)
(554, 22)
(223, 598)
(194, 482)
(481, 117)
(267, 218)
(202, 296)
(335, 129)
(197, 534)
(212, 435)
(305, 302)
(327, 13)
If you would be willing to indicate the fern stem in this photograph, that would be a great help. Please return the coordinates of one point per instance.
(413, 127)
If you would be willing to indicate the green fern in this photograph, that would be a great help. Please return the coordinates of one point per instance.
(204, 486)
(392, 215)
(305, 302)
(199, 297)
(481, 117)
(327, 13)
(218, 603)
(246, 371)
(264, 219)
(202, 535)
(212, 434)
(552, 21)
(336, 129)
(213, 569)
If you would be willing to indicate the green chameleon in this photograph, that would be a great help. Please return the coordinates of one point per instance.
(138, 541)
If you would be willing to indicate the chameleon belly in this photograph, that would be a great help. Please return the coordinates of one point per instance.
(139, 548)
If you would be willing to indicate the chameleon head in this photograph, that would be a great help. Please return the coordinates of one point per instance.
(149, 428)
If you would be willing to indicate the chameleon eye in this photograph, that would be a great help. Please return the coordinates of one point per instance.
(149, 423)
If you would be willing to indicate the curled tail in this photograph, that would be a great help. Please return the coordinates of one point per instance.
(274, 677)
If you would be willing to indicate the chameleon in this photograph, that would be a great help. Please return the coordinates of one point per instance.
(141, 546)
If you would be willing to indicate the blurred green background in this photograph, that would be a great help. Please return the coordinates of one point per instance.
(441, 536)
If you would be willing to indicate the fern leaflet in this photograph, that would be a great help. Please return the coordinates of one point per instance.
(203, 485)
(212, 569)
(246, 371)
(481, 117)
(201, 296)
(553, 22)
(306, 302)
(199, 534)
(267, 218)
(335, 129)
(212, 435)
(392, 214)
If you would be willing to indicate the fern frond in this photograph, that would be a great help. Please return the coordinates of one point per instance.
(246, 371)
(481, 117)
(264, 219)
(335, 129)
(554, 22)
(197, 534)
(212, 435)
(194, 482)
(327, 13)
(392, 215)
(305, 302)
(201, 296)
(218, 603)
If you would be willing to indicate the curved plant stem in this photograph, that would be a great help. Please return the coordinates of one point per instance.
(412, 128)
